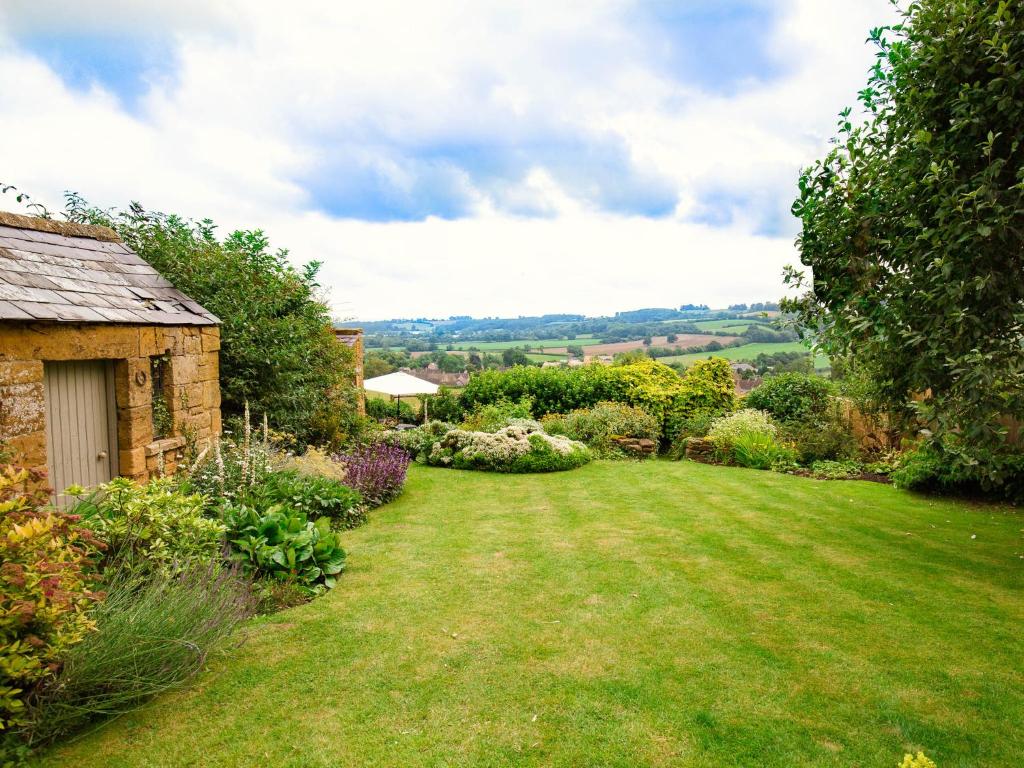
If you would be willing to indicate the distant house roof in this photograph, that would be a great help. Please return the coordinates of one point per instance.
(66, 272)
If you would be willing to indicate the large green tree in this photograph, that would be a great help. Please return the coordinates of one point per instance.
(914, 227)
(278, 352)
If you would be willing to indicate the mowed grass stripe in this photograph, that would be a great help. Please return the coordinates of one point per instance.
(620, 615)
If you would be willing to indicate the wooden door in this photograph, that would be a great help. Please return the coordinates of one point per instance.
(81, 424)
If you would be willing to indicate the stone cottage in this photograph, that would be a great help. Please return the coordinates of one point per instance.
(105, 367)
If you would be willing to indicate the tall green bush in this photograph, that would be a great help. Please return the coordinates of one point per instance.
(791, 396)
(914, 227)
(646, 384)
(278, 351)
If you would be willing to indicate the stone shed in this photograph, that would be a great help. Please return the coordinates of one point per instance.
(105, 367)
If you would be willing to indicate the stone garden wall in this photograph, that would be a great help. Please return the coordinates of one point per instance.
(191, 389)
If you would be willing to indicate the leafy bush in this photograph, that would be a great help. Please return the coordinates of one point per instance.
(283, 544)
(377, 471)
(493, 416)
(418, 442)
(750, 438)
(954, 467)
(278, 352)
(758, 450)
(149, 527)
(597, 426)
(313, 496)
(912, 229)
(682, 428)
(386, 410)
(791, 396)
(725, 430)
(514, 449)
(646, 384)
(44, 593)
(445, 406)
(836, 470)
(827, 438)
(151, 635)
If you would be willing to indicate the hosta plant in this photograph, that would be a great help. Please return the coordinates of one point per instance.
(285, 545)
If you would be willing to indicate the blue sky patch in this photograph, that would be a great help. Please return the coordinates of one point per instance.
(122, 64)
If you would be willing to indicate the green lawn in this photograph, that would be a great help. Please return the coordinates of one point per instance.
(748, 352)
(658, 614)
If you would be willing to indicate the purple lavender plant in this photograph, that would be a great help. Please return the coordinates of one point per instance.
(376, 470)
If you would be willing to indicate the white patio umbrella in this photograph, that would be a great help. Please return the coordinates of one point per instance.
(400, 384)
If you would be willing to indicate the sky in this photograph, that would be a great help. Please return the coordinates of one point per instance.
(450, 157)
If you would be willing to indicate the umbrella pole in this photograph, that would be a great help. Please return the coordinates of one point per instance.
(398, 409)
(425, 409)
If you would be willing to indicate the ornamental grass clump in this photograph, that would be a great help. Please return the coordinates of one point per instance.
(151, 634)
(376, 470)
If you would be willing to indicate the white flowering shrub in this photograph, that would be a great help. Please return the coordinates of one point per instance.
(523, 446)
(726, 431)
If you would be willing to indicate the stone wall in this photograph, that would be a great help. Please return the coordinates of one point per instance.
(353, 338)
(191, 388)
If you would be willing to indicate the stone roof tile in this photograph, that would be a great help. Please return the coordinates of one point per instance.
(62, 271)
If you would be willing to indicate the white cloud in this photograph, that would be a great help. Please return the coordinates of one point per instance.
(261, 97)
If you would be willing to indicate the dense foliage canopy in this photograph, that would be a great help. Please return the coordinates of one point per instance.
(914, 227)
(277, 348)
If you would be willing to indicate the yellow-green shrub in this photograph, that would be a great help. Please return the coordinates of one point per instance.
(44, 590)
(647, 384)
(918, 761)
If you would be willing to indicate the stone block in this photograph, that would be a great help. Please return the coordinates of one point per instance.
(134, 426)
(132, 462)
(68, 341)
(151, 341)
(184, 369)
(215, 422)
(211, 394)
(209, 366)
(186, 397)
(22, 409)
(20, 372)
(28, 449)
(211, 339)
(132, 385)
(191, 343)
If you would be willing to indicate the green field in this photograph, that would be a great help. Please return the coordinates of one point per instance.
(747, 352)
(739, 326)
(490, 346)
(624, 614)
(543, 358)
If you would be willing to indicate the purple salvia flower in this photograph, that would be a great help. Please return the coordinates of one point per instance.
(377, 471)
